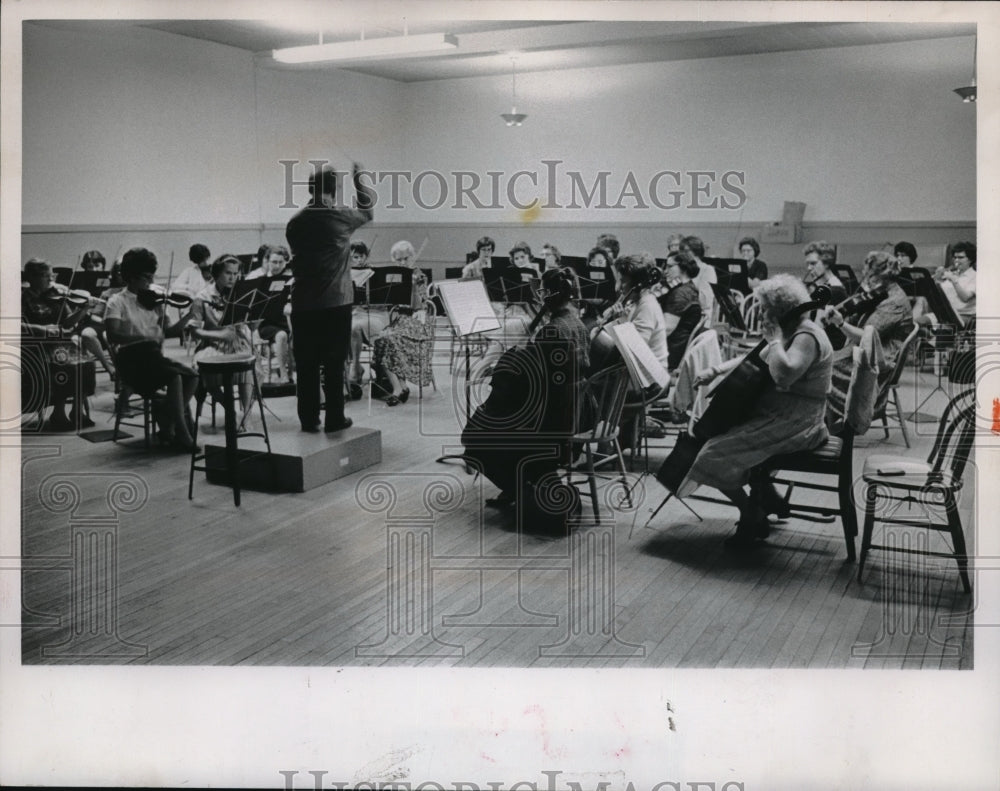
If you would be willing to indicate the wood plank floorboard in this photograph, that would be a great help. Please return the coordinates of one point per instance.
(301, 579)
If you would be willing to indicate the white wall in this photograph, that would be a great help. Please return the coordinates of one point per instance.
(128, 129)
(866, 133)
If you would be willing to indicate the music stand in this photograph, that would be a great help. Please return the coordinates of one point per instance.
(735, 268)
(467, 305)
(917, 281)
(391, 286)
(730, 312)
(93, 282)
(846, 276)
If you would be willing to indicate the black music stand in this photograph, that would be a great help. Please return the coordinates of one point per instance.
(735, 269)
(391, 286)
(917, 281)
(846, 276)
(93, 282)
(730, 312)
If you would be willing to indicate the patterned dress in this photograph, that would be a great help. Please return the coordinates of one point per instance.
(405, 347)
(783, 421)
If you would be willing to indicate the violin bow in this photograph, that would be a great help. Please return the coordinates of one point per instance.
(62, 307)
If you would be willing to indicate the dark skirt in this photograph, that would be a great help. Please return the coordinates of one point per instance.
(145, 370)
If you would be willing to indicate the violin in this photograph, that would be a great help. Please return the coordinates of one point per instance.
(859, 305)
(150, 297)
(60, 295)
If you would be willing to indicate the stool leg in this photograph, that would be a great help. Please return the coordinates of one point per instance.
(194, 450)
(232, 454)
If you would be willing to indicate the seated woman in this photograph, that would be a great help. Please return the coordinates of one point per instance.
(367, 322)
(552, 256)
(680, 305)
(958, 282)
(892, 318)
(275, 330)
(138, 332)
(521, 432)
(599, 264)
(45, 313)
(208, 312)
(485, 248)
(637, 303)
(820, 258)
(786, 418)
(756, 269)
(397, 350)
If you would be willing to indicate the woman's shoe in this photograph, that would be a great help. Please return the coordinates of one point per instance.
(404, 396)
(392, 401)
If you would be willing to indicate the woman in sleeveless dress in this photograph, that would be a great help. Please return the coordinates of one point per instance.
(787, 418)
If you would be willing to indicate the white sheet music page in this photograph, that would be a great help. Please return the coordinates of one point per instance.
(468, 306)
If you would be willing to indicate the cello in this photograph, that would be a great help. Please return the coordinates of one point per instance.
(734, 397)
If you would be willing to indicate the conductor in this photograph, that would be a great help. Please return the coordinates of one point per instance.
(322, 294)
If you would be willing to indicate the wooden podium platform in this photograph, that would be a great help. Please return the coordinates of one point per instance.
(299, 461)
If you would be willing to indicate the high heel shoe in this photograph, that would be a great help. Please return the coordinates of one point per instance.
(392, 401)
(404, 396)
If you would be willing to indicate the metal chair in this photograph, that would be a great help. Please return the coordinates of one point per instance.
(933, 485)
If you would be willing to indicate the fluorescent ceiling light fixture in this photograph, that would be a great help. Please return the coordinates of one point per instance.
(369, 49)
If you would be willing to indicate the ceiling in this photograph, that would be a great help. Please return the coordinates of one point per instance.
(485, 45)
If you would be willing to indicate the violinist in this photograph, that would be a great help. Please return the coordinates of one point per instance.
(208, 312)
(820, 258)
(138, 332)
(46, 303)
(274, 261)
(880, 303)
(45, 313)
(636, 303)
(706, 277)
(680, 304)
(198, 275)
(367, 321)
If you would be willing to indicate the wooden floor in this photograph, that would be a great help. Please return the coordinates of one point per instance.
(346, 575)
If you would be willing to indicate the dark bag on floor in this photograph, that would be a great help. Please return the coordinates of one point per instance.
(548, 506)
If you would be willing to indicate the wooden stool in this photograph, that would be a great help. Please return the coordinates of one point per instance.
(218, 375)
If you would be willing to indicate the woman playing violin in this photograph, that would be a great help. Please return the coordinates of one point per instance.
(785, 419)
(138, 332)
(820, 258)
(637, 275)
(47, 313)
(70, 309)
(880, 303)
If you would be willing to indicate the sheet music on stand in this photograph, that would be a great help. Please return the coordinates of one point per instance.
(361, 276)
(642, 364)
(256, 300)
(468, 306)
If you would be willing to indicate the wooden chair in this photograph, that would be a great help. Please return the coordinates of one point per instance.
(932, 485)
(890, 390)
(599, 412)
(833, 461)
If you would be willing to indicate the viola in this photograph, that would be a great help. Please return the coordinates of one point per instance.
(150, 297)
